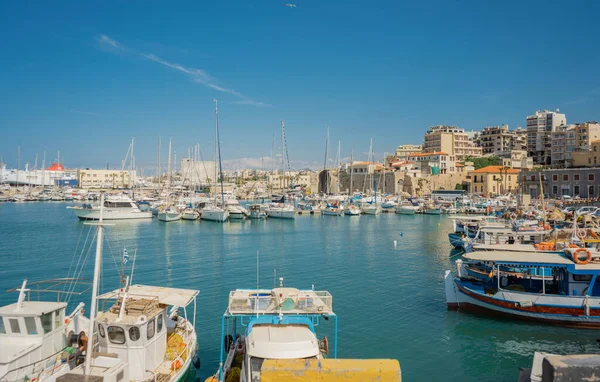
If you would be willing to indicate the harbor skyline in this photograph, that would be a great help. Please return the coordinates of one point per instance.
(86, 86)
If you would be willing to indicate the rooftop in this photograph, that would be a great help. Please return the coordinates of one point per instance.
(427, 154)
(496, 170)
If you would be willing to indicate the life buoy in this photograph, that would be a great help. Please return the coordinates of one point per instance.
(576, 258)
(547, 227)
(581, 234)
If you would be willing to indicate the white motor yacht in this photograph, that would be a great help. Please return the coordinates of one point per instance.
(235, 209)
(116, 207)
(169, 215)
(281, 211)
(371, 209)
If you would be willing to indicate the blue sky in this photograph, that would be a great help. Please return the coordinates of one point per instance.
(83, 77)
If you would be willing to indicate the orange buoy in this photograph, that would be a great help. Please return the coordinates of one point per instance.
(176, 365)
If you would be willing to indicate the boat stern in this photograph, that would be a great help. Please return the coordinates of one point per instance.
(451, 298)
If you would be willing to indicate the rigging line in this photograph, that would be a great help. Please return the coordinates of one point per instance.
(74, 254)
(113, 256)
(74, 280)
(83, 264)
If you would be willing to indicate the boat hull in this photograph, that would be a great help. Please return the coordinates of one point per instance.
(215, 216)
(371, 210)
(237, 215)
(190, 216)
(281, 214)
(406, 211)
(169, 216)
(332, 212)
(433, 211)
(110, 214)
(459, 241)
(549, 309)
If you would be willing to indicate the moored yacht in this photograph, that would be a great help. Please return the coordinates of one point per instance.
(116, 207)
(214, 213)
(281, 211)
(169, 214)
(235, 209)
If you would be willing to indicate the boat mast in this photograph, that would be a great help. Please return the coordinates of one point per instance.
(338, 166)
(325, 164)
(44, 171)
(351, 174)
(97, 265)
(169, 173)
(158, 164)
(282, 160)
(219, 152)
(18, 165)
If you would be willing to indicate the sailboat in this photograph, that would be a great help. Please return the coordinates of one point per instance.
(279, 209)
(350, 209)
(169, 213)
(214, 212)
(144, 335)
(372, 208)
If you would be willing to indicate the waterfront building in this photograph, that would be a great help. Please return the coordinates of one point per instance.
(289, 179)
(563, 146)
(494, 180)
(540, 126)
(88, 178)
(499, 140)
(434, 162)
(583, 182)
(403, 150)
(517, 159)
(451, 140)
(585, 134)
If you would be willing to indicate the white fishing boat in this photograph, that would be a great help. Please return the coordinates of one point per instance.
(116, 207)
(214, 213)
(145, 334)
(35, 336)
(371, 209)
(281, 211)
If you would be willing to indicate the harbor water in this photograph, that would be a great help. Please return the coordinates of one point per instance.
(389, 299)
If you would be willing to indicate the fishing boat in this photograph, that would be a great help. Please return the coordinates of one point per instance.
(565, 290)
(116, 207)
(257, 211)
(144, 334)
(37, 338)
(278, 323)
(333, 209)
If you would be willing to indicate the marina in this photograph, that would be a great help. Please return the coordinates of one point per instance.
(219, 258)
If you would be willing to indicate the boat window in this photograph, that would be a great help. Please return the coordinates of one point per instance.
(116, 334)
(14, 326)
(30, 325)
(2, 328)
(582, 277)
(101, 330)
(255, 365)
(159, 323)
(134, 333)
(58, 318)
(151, 329)
(47, 322)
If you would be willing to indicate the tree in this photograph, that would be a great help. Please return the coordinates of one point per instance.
(483, 161)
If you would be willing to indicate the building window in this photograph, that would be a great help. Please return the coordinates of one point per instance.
(591, 177)
(576, 177)
(565, 177)
(576, 190)
(590, 191)
(116, 335)
(555, 177)
(533, 178)
(554, 190)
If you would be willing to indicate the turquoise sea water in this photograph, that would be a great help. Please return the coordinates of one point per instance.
(389, 300)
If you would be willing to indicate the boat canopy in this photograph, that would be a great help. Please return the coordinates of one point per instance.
(279, 300)
(165, 296)
(535, 259)
(282, 342)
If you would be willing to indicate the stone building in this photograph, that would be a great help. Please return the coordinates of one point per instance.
(584, 182)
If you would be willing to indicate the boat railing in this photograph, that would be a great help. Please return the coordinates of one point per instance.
(279, 300)
(66, 286)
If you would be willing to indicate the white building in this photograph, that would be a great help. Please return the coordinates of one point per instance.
(434, 163)
(88, 178)
(539, 134)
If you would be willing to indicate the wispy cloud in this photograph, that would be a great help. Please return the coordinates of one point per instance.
(198, 76)
(83, 112)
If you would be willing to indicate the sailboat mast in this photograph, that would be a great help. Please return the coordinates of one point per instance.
(282, 159)
(326, 188)
(219, 152)
(216, 140)
(18, 165)
(158, 163)
(169, 170)
(95, 282)
(351, 173)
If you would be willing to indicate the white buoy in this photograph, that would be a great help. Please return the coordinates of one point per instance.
(395, 243)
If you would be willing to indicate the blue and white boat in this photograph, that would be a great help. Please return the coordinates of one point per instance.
(273, 324)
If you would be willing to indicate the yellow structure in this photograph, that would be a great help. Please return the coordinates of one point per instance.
(331, 370)
(452, 140)
(494, 180)
(88, 178)
(588, 158)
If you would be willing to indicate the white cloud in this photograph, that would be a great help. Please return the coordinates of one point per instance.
(199, 76)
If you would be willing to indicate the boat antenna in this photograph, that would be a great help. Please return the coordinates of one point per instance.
(219, 150)
(274, 278)
(22, 291)
(97, 264)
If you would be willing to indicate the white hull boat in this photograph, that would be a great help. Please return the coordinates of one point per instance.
(190, 214)
(119, 207)
(283, 212)
(352, 211)
(371, 209)
(406, 210)
(215, 214)
(169, 216)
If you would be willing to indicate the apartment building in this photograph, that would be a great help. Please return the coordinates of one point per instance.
(588, 158)
(494, 180)
(434, 163)
(499, 140)
(88, 178)
(403, 150)
(451, 140)
(585, 134)
(540, 126)
(563, 146)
